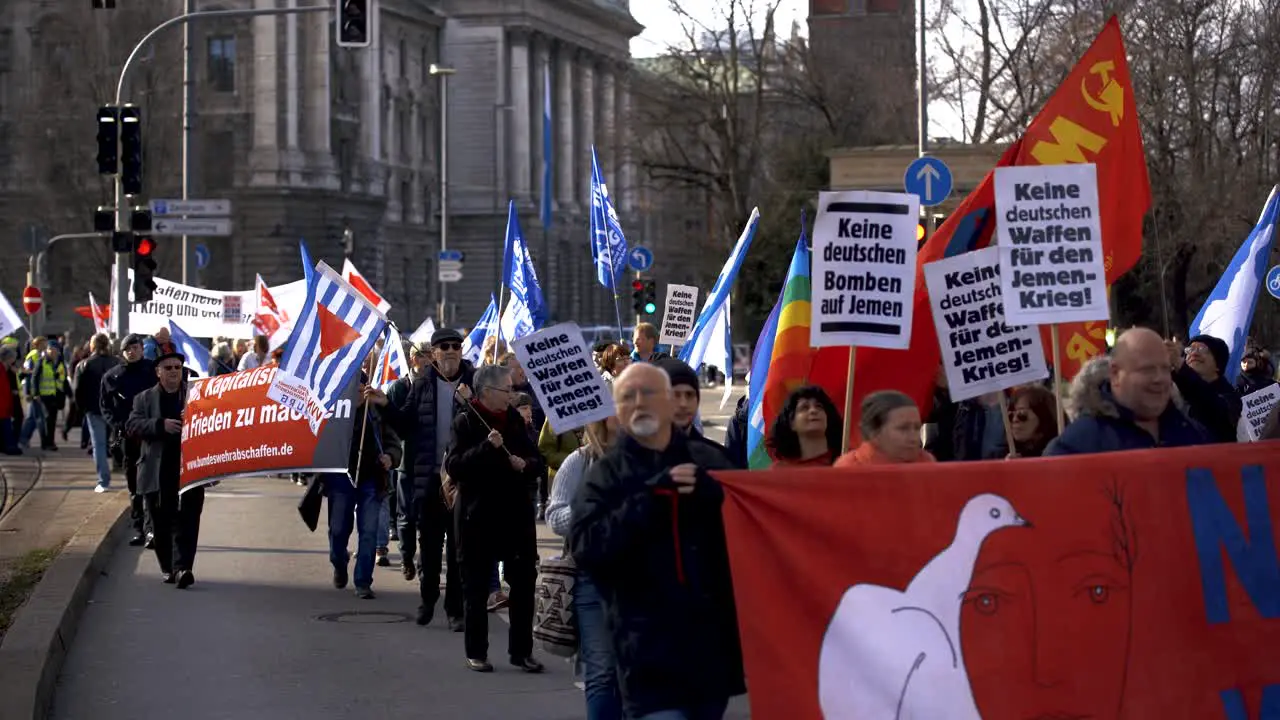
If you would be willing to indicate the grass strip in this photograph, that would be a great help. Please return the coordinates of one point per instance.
(19, 580)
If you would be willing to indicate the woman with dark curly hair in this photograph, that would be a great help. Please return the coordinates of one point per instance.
(807, 430)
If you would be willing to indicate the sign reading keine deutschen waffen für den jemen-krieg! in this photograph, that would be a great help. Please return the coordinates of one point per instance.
(1050, 239)
(563, 376)
(981, 353)
(864, 269)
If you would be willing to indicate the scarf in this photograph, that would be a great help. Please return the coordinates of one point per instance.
(496, 419)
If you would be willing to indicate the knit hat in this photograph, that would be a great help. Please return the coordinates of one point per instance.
(1221, 353)
(680, 373)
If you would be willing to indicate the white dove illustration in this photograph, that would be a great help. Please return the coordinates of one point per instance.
(895, 655)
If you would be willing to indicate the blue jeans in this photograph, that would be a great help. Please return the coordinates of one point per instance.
(8, 441)
(348, 505)
(706, 711)
(100, 437)
(595, 652)
(384, 522)
(34, 422)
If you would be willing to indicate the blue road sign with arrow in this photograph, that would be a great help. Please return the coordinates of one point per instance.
(930, 178)
(202, 256)
(640, 259)
(1273, 282)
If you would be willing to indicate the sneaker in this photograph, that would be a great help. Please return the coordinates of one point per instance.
(498, 601)
(99, 488)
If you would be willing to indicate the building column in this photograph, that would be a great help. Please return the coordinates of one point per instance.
(521, 119)
(371, 103)
(417, 161)
(607, 126)
(564, 121)
(317, 98)
(586, 106)
(266, 110)
(627, 169)
(291, 79)
(541, 68)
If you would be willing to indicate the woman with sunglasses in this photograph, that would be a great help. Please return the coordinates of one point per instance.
(1032, 420)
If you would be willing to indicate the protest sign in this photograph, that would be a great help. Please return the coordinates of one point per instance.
(231, 428)
(980, 352)
(680, 314)
(1257, 408)
(1121, 585)
(864, 269)
(563, 376)
(209, 313)
(1050, 239)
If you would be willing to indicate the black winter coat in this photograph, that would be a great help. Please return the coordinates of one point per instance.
(661, 563)
(414, 421)
(120, 386)
(735, 437)
(89, 381)
(1215, 405)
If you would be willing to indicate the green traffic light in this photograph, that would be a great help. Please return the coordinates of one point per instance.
(650, 308)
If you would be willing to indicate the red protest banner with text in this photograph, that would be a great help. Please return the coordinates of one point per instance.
(1139, 585)
(231, 428)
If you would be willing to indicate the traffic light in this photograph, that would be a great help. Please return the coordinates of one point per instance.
(140, 220)
(108, 141)
(131, 150)
(144, 268)
(637, 296)
(922, 234)
(650, 297)
(353, 23)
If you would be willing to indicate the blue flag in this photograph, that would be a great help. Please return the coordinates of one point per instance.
(308, 265)
(473, 345)
(608, 245)
(709, 322)
(547, 150)
(1228, 312)
(526, 311)
(197, 356)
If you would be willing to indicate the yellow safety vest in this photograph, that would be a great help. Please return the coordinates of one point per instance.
(51, 377)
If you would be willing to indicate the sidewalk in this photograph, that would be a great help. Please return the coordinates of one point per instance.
(263, 634)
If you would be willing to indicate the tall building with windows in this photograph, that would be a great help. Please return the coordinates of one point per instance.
(338, 147)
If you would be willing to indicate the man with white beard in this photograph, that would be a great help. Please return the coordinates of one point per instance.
(647, 528)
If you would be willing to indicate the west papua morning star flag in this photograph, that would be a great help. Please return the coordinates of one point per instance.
(608, 244)
(357, 281)
(268, 318)
(392, 364)
(1135, 585)
(330, 341)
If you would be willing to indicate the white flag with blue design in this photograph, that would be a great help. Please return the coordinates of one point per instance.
(526, 310)
(708, 340)
(473, 344)
(608, 244)
(197, 356)
(1228, 312)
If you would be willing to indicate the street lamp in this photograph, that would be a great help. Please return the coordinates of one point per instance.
(443, 73)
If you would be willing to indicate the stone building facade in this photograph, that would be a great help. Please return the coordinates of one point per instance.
(312, 141)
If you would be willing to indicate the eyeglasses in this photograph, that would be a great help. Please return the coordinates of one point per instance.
(501, 389)
(446, 346)
(1019, 415)
(170, 368)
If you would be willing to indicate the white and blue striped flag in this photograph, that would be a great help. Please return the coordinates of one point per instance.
(709, 341)
(392, 364)
(330, 341)
(473, 343)
(197, 356)
(1228, 312)
(547, 149)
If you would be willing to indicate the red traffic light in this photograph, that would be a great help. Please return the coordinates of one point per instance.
(145, 246)
(638, 285)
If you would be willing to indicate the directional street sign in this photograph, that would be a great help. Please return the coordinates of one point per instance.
(930, 178)
(450, 276)
(451, 255)
(450, 268)
(209, 227)
(194, 208)
(202, 256)
(1273, 282)
(640, 259)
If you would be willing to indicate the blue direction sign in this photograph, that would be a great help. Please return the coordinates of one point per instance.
(640, 259)
(202, 257)
(930, 178)
(1273, 282)
(454, 255)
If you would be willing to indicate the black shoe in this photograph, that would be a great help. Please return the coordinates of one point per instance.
(167, 578)
(151, 541)
(479, 665)
(50, 448)
(12, 451)
(383, 561)
(339, 577)
(424, 615)
(137, 541)
(365, 593)
(185, 579)
(407, 569)
(528, 665)
(457, 624)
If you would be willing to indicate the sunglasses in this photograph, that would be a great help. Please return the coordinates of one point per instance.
(449, 346)
(1019, 415)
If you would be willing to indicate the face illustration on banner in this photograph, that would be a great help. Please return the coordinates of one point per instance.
(1044, 603)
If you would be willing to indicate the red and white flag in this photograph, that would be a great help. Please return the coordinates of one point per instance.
(101, 315)
(353, 276)
(269, 319)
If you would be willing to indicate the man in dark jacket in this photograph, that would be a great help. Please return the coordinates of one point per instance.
(405, 531)
(360, 501)
(686, 396)
(1133, 409)
(1211, 400)
(495, 464)
(120, 386)
(648, 529)
(89, 375)
(735, 437)
(156, 420)
(1256, 371)
(425, 420)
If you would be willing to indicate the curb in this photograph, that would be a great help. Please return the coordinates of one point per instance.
(37, 643)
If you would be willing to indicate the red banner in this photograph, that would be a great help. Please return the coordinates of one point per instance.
(1139, 585)
(232, 428)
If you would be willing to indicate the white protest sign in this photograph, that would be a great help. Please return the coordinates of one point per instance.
(209, 313)
(980, 353)
(864, 269)
(1257, 408)
(558, 363)
(1050, 239)
(680, 314)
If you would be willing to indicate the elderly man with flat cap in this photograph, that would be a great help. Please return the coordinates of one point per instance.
(156, 421)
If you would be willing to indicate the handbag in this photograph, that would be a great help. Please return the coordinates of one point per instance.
(555, 621)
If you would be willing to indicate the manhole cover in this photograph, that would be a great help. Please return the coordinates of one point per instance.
(369, 617)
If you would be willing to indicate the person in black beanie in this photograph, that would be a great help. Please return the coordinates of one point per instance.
(1211, 400)
(686, 393)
